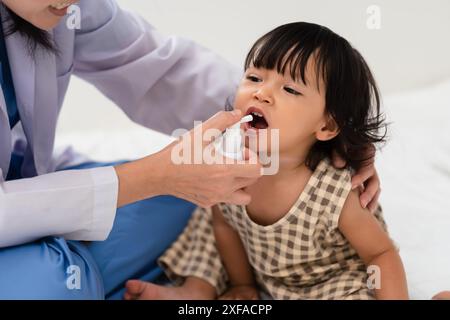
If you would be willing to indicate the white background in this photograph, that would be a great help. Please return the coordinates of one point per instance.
(411, 49)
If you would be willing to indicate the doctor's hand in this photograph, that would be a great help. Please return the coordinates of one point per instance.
(208, 184)
(201, 182)
(366, 178)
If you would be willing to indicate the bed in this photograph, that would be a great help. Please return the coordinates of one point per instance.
(414, 167)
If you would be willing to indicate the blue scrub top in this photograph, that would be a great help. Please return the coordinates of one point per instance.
(6, 82)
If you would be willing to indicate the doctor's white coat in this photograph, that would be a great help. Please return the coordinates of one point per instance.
(161, 82)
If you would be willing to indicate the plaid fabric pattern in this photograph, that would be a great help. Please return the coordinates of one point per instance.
(301, 256)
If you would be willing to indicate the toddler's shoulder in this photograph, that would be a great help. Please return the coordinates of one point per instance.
(331, 182)
(332, 187)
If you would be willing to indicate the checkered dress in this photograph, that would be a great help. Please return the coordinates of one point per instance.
(301, 256)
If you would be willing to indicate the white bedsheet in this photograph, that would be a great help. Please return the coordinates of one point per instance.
(414, 168)
(415, 173)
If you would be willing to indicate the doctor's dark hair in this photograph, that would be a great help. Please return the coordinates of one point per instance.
(35, 37)
(352, 99)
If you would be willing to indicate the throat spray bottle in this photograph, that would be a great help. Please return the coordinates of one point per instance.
(230, 144)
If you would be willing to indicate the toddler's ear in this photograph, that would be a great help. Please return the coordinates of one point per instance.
(328, 130)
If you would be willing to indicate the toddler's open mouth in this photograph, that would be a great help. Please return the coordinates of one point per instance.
(259, 120)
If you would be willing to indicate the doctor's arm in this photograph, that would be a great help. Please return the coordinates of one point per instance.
(81, 204)
(163, 83)
(204, 184)
(75, 204)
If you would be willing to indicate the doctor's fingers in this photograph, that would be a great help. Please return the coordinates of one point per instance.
(240, 183)
(219, 122)
(223, 120)
(371, 188)
(239, 197)
(252, 168)
(373, 204)
(244, 170)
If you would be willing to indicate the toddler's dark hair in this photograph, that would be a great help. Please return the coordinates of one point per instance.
(352, 98)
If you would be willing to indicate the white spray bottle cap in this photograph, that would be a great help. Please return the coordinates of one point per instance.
(230, 144)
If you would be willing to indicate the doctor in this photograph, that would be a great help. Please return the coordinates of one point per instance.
(54, 211)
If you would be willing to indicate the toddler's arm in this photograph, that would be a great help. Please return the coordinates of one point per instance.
(374, 246)
(232, 251)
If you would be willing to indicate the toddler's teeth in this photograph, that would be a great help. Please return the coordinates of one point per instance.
(60, 5)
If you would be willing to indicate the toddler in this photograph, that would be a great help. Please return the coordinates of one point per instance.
(304, 235)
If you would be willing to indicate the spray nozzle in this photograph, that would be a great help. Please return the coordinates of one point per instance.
(247, 118)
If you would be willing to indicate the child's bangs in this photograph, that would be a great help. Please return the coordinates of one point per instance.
(286, 52)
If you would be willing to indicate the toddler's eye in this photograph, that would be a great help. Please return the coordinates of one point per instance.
(253, 78)
(292, 91)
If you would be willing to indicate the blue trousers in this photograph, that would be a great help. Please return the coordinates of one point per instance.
(141, 233)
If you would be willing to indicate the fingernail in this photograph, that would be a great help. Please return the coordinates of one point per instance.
(354, 186)
(364, 204)
(236, 112)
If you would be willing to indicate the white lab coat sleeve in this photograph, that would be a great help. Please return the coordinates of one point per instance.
(74, 204)
(161, 82)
